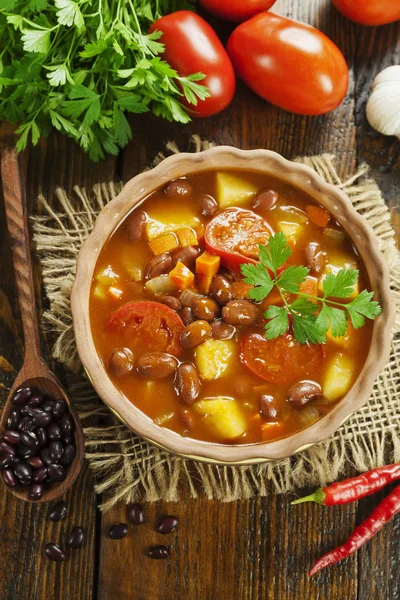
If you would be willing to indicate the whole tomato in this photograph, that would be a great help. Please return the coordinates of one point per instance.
(290, 64)
(369, 12)
(236, 10)
(192, 46)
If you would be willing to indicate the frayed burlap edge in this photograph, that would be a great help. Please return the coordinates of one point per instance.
(126, 467)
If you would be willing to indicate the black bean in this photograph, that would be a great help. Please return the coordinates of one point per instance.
(54, 552)
(9, 478)
(68, 439)
(159, 552)
(55, 451)
(67, 424)
(29, 439)
(136, 513)
(25, 452)
(26, 424)
(39, 475)
(41, 436)
(23, 472)
(56, 472)
(12, 437)
(59, 408)
(35, 400)
(76, 538)
(47, 405)
(45, 456)
(68, 455)
(208, 205)
(22, 396)
(58, 511)
(30, 411)
(36, 491)
(5, 461)
(42, 419)
(13, 419)
(167, 524)
(118, 531)
(35, 462)
(6, 448)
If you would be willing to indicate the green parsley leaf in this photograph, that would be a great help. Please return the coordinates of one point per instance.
(306, 330)
(276, 253)
(258, 276)
(340, 284)
(278, 323)
(304, 306)
(292, 277)
(338, 321)
(363, 306)
(69, 13)
(36, 40)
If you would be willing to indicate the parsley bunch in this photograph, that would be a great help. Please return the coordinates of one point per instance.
(80, 65)
(311, 316)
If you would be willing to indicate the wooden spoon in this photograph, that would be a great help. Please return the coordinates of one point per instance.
(34, 372)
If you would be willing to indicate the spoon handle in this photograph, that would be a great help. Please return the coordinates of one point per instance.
(17, 224)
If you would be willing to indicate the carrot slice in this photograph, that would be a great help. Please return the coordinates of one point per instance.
(187, 237)
(181, 276)
(207, 264)
(318, 215)
(164, 243)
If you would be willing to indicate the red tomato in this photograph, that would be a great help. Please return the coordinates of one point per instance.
(369, 12)
(148, 327)
(236, 10)
(235, 234)
(290, 64)
(281, 361)
(192, 46)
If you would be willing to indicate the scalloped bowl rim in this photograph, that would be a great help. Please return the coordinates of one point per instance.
(296, 174)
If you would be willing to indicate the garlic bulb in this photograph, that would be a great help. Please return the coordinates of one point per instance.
(383, 107)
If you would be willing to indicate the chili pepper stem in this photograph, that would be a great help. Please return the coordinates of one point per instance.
(318, 496)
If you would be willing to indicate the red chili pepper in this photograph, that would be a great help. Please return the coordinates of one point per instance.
(389, 507)
(355, 488)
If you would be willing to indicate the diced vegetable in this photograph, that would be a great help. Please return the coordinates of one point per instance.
(272, 430)
(338, 377)
(171, 217)
(233, 190)
(291, 230)
(187, 297)
(164, 243)
(100, 291)
(135, 273)
(187, 237)
(162, 419)
(344, 341)
(160, 285)
(309, 287)
(335, 236)
(107, 276)
(115, 293)
(273, 297)
(318, 215)
(203, 283)
(181, 276)
(207, 264)
(214, 358)
(223, 415)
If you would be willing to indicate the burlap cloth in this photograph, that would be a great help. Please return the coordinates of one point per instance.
(127, 467)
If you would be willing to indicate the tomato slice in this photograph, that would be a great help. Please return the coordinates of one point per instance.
(281, 361)
(235, 234)
(148, 327)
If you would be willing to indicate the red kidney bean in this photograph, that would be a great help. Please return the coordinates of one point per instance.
(167, 524)
(42, 419)
(35, 400)
(56, 472)
(59, 408)
(187, 315)
(120, 362)
(195, 333)
(54, 431)
(36, 491)
(12, 437)
(55, 553)
(118, 531)
(58, 511)
(221, 289)
(265, 201)
(240, 312)
(187, 382)
(136, 513)
(68, 455)
(23, 471)
(55, 451)
(186, 418)
(158, 265)
(76, 538)
(205, 308)
(157, 365)
(35, 462)
(170, 301)
(268, 408)
(22, 396)
(159, 552)
(178, 188)
(187, 256)
(208, 205)
(302, 392)
(13, 419)
(9, 478)
(39, 475)
(136, 225)
(221, 330)
(29, 439)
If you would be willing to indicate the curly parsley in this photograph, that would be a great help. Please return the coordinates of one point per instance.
(311, 316)
(80, 65)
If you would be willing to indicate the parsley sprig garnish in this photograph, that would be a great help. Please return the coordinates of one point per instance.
(311, 316)
(80, 66)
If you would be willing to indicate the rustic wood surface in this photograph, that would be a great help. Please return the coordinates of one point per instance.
(261, 548)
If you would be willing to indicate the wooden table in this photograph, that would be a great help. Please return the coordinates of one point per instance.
(261, 548)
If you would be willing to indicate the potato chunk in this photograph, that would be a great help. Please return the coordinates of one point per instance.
(338, 377)
(172, 217)
(214, 357)
(233, 190)
(107, 276)
(222, 415)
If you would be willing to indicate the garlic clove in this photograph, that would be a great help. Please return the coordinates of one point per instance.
(383, 107)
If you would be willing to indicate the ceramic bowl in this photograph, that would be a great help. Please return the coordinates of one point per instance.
(299, 176)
